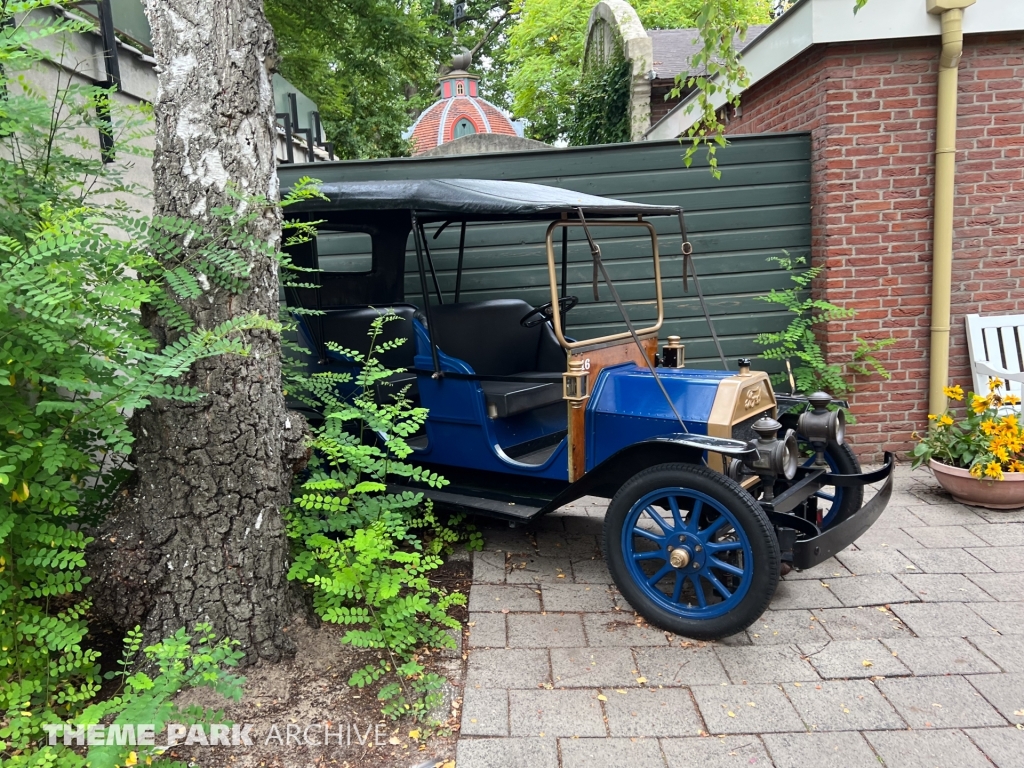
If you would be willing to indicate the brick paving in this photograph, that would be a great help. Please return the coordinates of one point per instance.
(906, 650)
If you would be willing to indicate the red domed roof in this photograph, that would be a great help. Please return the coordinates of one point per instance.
(461, 107)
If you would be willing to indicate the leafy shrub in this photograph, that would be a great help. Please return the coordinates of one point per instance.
(367, 552)
(602, 115)
(797, 346)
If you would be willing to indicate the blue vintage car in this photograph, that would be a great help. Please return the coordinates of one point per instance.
(716, 483)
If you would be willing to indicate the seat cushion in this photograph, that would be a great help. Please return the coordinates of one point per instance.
(507, 398)
(349, 327)
(487, 336)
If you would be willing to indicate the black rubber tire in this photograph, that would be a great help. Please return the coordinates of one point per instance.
(764, 546)
(847, 464)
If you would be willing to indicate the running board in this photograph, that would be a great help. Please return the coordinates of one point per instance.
(512, 508)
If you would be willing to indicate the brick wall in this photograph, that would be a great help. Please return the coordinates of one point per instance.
(871, 112)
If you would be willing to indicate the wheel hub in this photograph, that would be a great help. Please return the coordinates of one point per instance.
(687, 552)
(680, 558)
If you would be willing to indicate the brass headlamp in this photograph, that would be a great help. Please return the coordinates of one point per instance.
(774, 457)
(821, 426)
(575, 384)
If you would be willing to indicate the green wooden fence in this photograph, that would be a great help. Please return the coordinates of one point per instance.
(758, 208)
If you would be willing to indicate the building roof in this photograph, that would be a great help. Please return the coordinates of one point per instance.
(674, 49)
(817, 22)
(460, 103)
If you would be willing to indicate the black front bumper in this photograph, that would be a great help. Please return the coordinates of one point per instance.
(802, 543)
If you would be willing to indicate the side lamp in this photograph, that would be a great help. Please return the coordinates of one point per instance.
(575, 384)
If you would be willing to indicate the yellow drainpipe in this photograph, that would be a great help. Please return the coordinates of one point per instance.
(945, 169)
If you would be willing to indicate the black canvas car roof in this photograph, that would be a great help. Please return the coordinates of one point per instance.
(472, 199)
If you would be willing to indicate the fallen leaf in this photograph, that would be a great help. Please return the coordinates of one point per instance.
(504, 610)
(602, 697)
(1019, 712)
(641, 680)
(620, 690)
(393, 740)
(731, 714)
(867, 663)
(414, 733)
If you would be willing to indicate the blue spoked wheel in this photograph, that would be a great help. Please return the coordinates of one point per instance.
(830, 500)
(691, 551)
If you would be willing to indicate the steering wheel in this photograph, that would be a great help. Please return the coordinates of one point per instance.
(543, 313)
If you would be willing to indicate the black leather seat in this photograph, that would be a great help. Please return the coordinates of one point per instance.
(487, 335)
(349, 327)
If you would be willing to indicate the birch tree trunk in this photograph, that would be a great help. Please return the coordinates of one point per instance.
(202, 539)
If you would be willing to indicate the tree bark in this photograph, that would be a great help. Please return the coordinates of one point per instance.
(202, 532)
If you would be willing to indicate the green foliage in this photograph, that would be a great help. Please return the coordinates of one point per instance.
(365, 551)
(76, 268)
(601, 115)
(546, 50)
(798, 345)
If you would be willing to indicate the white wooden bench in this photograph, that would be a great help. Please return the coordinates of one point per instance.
(996, 346)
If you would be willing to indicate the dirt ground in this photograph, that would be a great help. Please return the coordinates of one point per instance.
(292, 705)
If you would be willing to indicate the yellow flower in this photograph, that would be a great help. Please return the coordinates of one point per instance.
(932, 417)
(994, 383)
(1010, 420)
(979, 404)
(953, 393)
(946, 420)
(976, 470)
(1016, 466)
(988, 427)
(1001, 453)
(1011, 399)
(992, 469)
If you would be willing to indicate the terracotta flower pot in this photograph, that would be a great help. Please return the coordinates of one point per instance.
(1007, 493)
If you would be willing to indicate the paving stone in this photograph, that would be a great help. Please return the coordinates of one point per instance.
(1007, 652)
(771, 713)
(533, 569)
(1005, 587)
(845, 659)
(591, 572)
(880, 589)
(620, 629)
(946, 514)
(945, 561)
(501, 597)
(508, 668)
(486, 630)
(488, 567)
(786, 627)
(842, 705)
(1000, 559)
(945, 587)
(507, 753)
(1003, 746)
(651, 712)
(941, 619)
(765, 664)
(939, 702)
(820, 750)
(890, 539)
(945, 536)
(806, 593)
(555, 630)
(897, 516)
(577, 597)
(611, 753)
(555, 713)
(867, 562)
(593, 667)
(582, 545)
(831, 568)
(680, 666)
(484, 712)
(720, 752)
(1008, 535)
(939, 655)
(1005, 692)
(587, 523)
(924, 749)
(1006, 618)
(861, 623)
(1001, 516)
(505, 539)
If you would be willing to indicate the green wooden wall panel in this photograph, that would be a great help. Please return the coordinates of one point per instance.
(757, 209)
